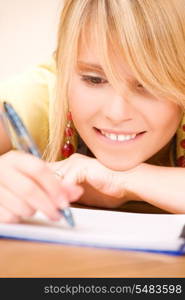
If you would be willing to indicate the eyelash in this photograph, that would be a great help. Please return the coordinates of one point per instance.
(93, 80)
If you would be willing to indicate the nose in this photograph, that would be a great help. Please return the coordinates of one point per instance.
(118, 109)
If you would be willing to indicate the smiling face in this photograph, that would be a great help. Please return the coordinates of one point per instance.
(121, 129)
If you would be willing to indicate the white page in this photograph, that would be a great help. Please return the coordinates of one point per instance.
(104, 228)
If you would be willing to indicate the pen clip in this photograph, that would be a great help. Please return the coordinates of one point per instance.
(24, 139)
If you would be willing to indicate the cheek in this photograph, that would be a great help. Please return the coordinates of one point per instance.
(168, 120)
(164, 127)
(84, 103)
(165, 116)
(81, 108)
(76, 96)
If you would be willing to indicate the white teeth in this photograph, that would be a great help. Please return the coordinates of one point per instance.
(118, 137)
(121, 138)
(113, 136)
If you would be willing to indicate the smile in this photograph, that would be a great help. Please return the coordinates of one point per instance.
(113, 137)
(118, 137)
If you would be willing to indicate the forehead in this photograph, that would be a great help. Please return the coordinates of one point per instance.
(92, 56)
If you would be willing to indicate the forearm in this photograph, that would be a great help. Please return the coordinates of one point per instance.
(163, 187)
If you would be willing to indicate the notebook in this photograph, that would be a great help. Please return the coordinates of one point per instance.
(161, 233)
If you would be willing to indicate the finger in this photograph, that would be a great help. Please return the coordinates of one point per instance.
(61, 171)
(14, 204)
(38, 171)
(75, 192)
(72, 190)
(7, 217)
(60, 193)
(26, 189)
(73, 175)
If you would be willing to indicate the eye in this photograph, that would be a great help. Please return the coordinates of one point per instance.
(93, 80)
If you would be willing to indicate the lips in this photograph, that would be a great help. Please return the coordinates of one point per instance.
(119, 136)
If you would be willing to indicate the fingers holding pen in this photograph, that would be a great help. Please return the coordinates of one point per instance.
(61, 193)
(71, 188)
(28, 178)
(23, 194)
(15, 205)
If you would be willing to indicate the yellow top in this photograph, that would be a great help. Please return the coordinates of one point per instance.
(31, 94)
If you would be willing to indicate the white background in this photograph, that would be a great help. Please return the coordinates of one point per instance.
(28, 31)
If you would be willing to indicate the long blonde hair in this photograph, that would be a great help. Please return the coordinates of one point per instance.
(149, 33)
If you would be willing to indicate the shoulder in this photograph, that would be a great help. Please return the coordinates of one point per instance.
(38, 79)
(30, 94)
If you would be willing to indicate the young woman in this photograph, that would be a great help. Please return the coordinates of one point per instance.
(107, 113)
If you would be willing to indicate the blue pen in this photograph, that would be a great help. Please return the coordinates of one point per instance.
(27, 144)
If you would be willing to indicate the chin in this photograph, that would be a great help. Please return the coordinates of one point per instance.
(119, 166)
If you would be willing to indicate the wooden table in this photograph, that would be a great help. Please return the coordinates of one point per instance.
(29, 259)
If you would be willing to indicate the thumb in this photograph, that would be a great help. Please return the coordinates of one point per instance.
(74, 176)
(74, 192)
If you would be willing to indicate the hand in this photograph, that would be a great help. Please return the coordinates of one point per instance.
(110, 186)
(28, 185)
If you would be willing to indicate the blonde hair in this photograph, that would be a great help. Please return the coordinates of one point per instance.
(150, 34)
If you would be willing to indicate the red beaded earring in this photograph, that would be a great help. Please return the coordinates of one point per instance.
(68, 147)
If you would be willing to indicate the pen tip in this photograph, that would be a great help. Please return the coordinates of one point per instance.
(68, 216)
(71, 222)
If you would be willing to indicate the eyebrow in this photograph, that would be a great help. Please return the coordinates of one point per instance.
(87, 66)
